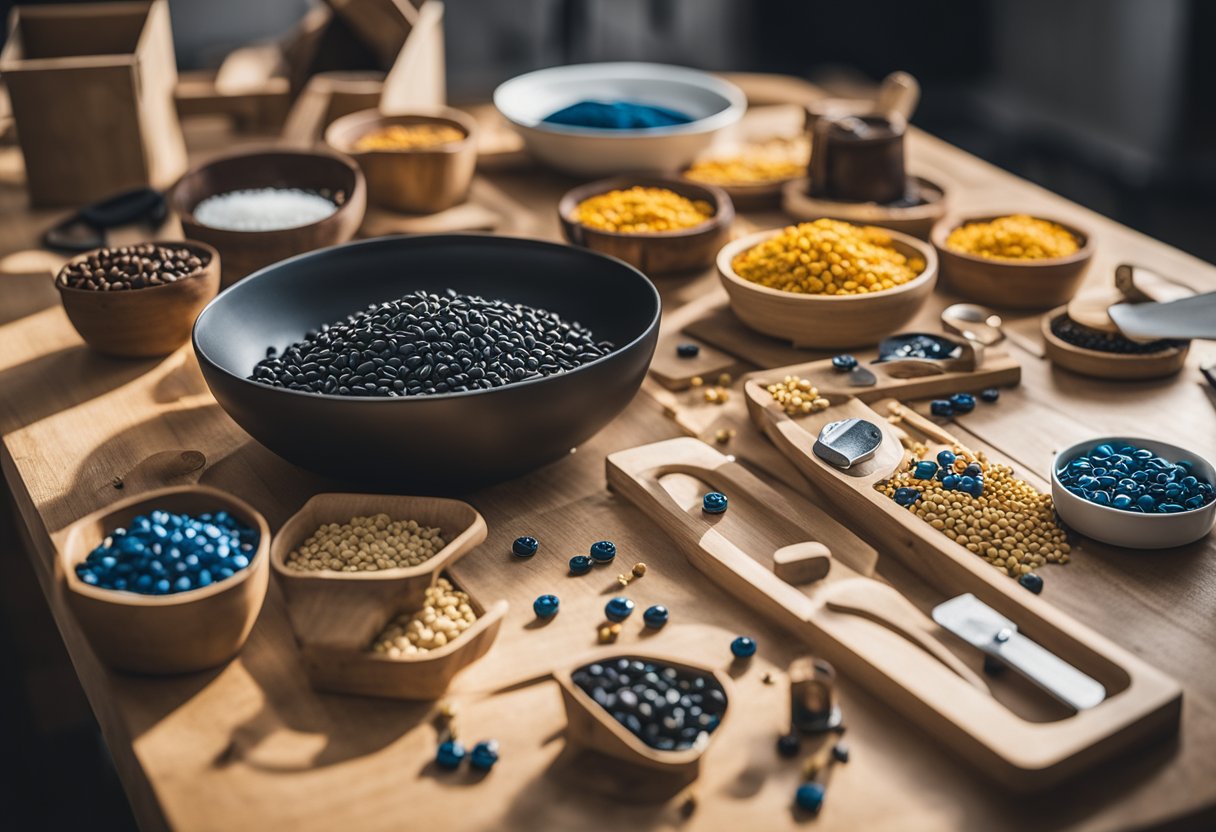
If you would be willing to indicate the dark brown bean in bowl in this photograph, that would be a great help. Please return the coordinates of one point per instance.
(133, 267)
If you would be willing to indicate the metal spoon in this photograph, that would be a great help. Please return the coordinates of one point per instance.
(973, 322)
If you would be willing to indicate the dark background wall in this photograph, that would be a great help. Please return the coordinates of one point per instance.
(1111, 103)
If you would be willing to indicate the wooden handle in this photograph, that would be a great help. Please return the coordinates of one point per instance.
(884, 605)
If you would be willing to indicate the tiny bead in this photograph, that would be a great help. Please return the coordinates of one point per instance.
(906, 496)
(941, 407)
(449, 755)
(655, 616)
(742, 647)
(788, 745)
(840, 752)
(687, 350)
(618, 609)
(1032, 582)
(962, 402)
(484, 755)
(946, 459)
(524, 547)
(925, 470)
(580, 565)
(639, 569)
(990, 394)
(809, 797)
(714, 502)
(603, 551)
(545, 606)
(844, 363)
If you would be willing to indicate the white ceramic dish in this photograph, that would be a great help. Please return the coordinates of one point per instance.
(1128, 528)
(526, 100)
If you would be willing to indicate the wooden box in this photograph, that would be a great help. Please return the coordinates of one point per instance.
(92, 95)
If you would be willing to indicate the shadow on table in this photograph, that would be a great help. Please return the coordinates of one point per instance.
(59, 381)
(25, 295)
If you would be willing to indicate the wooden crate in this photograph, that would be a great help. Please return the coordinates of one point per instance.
(92, 95)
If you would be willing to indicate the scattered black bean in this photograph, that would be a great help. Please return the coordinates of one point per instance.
(132, 267)
(667, 708)
(424, 343)
(1066, 329)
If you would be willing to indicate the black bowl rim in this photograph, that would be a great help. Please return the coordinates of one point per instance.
(475, 238)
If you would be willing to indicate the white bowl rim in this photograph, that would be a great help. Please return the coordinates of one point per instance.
(1072, 450)
(729, 251)
(736, 100)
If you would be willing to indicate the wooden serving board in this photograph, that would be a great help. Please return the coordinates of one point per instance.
(1141, 702)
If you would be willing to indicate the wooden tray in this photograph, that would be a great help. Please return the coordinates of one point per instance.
(873, 634)
(336, 615)
(1141, 702)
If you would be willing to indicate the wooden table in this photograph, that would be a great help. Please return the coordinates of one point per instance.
(251, 746)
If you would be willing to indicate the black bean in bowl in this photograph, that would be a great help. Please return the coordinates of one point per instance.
(669, 708)
(424, 343)
(450, 440)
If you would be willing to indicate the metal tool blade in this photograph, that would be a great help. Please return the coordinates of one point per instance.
(987, 630)
(1193, 317)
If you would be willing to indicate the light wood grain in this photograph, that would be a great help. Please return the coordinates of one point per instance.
(289, 757)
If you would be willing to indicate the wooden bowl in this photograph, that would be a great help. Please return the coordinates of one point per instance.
(420, 181)
(591, 726)
(654, 254)
(1109, 365)
(336, 615)
(344, 608)
(916, 220)
(142, 323)
(826, 321)
(1013, 284)
(244, 252)
(358, 670)
(179, 633)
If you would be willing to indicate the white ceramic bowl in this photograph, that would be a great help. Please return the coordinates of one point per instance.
(526, 100)
(1129, 528)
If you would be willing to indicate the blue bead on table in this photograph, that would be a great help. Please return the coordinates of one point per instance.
(580, 565)
(941, 407)
(524, 547)
(546, 606)
(603, 551)
(450, 754)
(484, 755)
(809, 797)
(743, 647)
(844, 363)
(714, 502)
(655, 616)
(618, 609)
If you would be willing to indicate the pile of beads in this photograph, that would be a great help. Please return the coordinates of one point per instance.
(797, 396)
(1069, 331)
(1135, 479)
(983, 507)
(759, 164)
(616, 115)
(424, 343)
(1016, 237)
(640, 210)
(666, 707)
(367, 544)
(409, 137)
(263, 209)
(828, 257)
(160, 553)
(132, 267)
(445, 614)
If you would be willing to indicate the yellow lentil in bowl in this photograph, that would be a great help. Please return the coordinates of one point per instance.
(828, 257)
(445, 614)
(408, 137)
(775, 161)
(1015, 237)
(640, 210)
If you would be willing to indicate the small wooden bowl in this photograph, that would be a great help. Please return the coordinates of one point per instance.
(142, 323)
(916, 220)
(1013, 284)
(826, 321)
(1109, 365)
(421, 181)
(654, 254)
(244, 252)
(336, 615)
(179, 633)
(591, 726)
(358, 670)
(341, 609)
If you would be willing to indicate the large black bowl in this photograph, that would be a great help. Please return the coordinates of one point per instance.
(444, 442)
